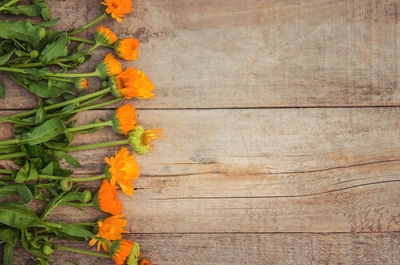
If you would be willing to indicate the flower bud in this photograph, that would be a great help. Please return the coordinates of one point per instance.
(66, 184)
(42, 32)
(81, 83)
(47, 250)
(133, 258)
(81, 59)
(34, 54)
(86, 196)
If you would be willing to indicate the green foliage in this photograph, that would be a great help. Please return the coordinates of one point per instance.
(18, 216)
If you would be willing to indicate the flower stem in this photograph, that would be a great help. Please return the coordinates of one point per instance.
(93, 48)
(12, 155)
(88, 178)
(90, 126)
(82, 251)
(95, 73)
(58, 105)
(9, 142)
(3, 7)
(97, 20)
(5, 171)
(94, 146)
(81, 40)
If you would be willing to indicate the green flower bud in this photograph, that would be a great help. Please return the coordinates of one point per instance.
(47, 250)
(133, 258)
(42, 32)
(86, 196)
(81, 59)
(34, 54)
(66, 184)
(107, 172)
(104, 84)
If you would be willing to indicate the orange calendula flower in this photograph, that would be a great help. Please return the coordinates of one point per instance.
(131, 83)
(127, 49)
(118, 8)
(124, 119)
(145, 262)
(111, 229)
(123, 169)
(81, 83)
(108, 67)
(120, 250)
(139, 139)
(106, 199)
(104, 36)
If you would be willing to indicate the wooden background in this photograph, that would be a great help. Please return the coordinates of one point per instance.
(281, 120)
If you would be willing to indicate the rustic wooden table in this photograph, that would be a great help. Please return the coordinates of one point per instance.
(281, 120)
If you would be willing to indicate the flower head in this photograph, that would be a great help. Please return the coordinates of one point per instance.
(104, 36)
(139, 139)
(124, 119)
(123, 169)
(120, 250)
(81, 83)
(145, 262)
(118, 8)
(111, 229)
(134, 255)
(109, 67)
(106, 199)
(131, 83)
(127, 49)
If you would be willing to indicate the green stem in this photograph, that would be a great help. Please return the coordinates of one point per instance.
(3, 7)
(93, 48)
(12, 155)
(81, 40)
(26, 65)
(85, 108)
(85, 224)
(88, 178)
(82, 251)
(5, 171)
(14, 70)
(95, 73)
(94, 146)
(9, 142)
(62, 79)
(97, 20)
(58, 105)
(90, 126)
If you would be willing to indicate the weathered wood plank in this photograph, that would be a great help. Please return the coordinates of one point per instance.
(219, 249)
(299, 170)
(247, 53)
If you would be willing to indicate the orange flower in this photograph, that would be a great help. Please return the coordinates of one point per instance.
(124, 119)
(106, 199)
(108, 67)
(110, 229)
(127, 49)
(132, 83)
(104, 36)
(118, 8)
(120, 250)
(123, 168)
(145, 262)
(81, 83)
(139, 139)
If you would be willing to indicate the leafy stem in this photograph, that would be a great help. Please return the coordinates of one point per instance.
(97, 20)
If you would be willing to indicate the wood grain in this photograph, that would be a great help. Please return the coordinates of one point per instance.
(250, 249)
(250, 53)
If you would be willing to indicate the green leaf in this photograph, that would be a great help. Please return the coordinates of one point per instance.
(8, 254)
(74, 230)
(4, 58)
(55, 49)
(24, 193)
(47, 23)
(48, 170)
(44, 132)
(23, 173)
(45, 9)
(28, 247)
(17, 215)
(42, 89)
(7, 191)
(21, 30)
(67, 157)
(9, 235)
(26, 10)
(2, 90)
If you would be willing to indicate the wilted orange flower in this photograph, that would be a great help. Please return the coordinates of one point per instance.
(123, 169)
(81, 83)
(120, 250)
(108, 67)
(105, 36)
(106, 199)
(132, 83)
(124, 119)
(127, 49)
(118, 8)
(139, 139)
(111, 229)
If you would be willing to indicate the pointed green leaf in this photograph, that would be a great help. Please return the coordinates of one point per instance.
(24, 193)
(71, 160)
(4, 58)
(43, 133)
(21, 30)
(55, 49)
(2, 90)
(17, 215)
(8, 254)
